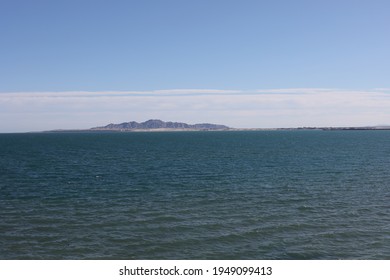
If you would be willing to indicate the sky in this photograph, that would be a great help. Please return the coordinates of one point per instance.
(244, 63)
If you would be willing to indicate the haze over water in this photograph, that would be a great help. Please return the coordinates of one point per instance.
(195, 195)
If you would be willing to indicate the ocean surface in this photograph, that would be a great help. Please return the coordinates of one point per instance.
(195, 195)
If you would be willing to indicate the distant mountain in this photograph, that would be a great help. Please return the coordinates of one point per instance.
(159, 124)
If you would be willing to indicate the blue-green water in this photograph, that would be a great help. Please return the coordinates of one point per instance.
(195, 195)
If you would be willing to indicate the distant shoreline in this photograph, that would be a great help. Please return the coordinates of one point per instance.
(211, 130)
(156, 125)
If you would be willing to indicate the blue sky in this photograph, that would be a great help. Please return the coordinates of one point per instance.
(219, 49)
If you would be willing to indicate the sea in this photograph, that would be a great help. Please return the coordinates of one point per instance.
(195, 195)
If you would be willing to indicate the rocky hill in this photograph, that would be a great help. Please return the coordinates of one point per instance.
(161, 125)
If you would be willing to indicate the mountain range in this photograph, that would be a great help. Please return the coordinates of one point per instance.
(161, 125)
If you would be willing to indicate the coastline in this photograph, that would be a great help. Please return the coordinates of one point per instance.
(211, 130)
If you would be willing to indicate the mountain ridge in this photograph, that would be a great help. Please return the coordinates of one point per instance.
(156, 124)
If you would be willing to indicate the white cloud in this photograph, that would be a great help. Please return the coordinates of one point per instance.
(88, 94)
(29, 111)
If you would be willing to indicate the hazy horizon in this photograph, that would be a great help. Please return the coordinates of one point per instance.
(238, 109)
